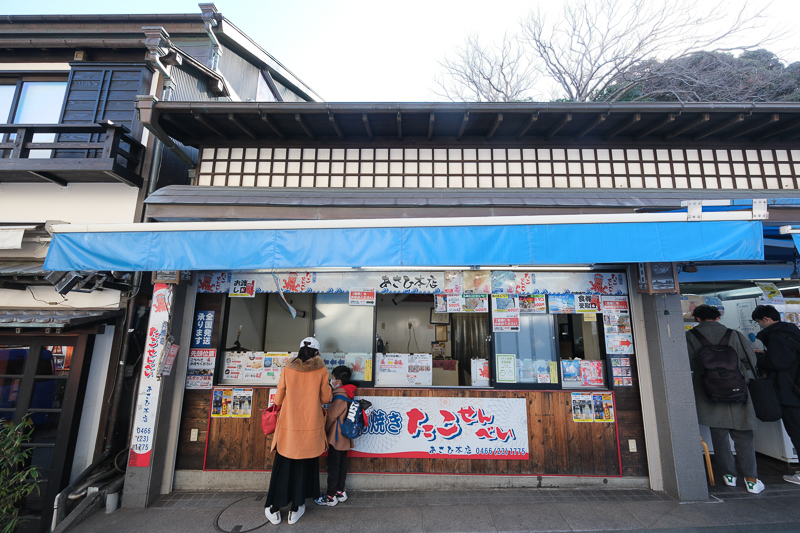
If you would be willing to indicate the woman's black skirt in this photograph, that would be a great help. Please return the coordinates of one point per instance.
(292, 481)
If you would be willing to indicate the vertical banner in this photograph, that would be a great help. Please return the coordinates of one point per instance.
(149, 385)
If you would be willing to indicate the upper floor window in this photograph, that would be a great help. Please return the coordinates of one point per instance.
(33, 102)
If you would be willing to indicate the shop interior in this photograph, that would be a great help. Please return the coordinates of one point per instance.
(438, 349)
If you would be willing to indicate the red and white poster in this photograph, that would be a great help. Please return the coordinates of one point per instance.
(242, 287)
(613, 305)
(149, 385)
(445, 428)
(505, 312)
(200, 371)
(362, 297)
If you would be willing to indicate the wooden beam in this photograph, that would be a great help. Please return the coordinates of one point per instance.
(463, 126)
(431, 119)
(786, 126)
(399, 126)
(205, 122)
(528, 123)
(699, 121)
(566, 119)
(300, 120)
(365, 120)
(177, 125)
(47, 176)
(238, 123)
(599, 119)
(496, 124)
(335, 124)
(775, 117)
(274, 127)
(739, 117)
(636, 117)
(658, 125)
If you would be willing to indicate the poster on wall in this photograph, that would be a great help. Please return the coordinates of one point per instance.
(587, 303)
(453, 282)
(404, 369)
(617, 324)
(505, 313)
(455, 303)
(506, 367)
(203, 329)
(362, 297)
(613, 304)
(242, 286)
(503, 282)
(200, 369)
(475, 303)
(592, 373)
(603, 407)
(561, 303)
(446, 428)
(242, 403)
(532, 303)
(360, 364)
(149, 383)
(477, 281)
(221, 402)
(570, 371)
(619, 344)
(253, 368)
(771, 294)
(440, 303)
(582, 409)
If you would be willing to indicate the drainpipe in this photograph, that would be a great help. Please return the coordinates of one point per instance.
(209, 12)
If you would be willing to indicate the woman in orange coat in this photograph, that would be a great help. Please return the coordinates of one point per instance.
(299, 437)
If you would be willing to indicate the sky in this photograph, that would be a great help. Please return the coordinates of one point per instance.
(368, 50)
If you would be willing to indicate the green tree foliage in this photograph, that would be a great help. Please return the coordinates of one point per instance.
(16, 480)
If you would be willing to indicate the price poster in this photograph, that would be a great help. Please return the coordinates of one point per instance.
(475, 303)
(362, 297)
(505, 313)
(506, 368)
(455, 303)
(532, 303)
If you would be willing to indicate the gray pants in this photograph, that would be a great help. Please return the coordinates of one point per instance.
(745, 451)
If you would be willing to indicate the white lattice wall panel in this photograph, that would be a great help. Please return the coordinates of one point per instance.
(500, 168)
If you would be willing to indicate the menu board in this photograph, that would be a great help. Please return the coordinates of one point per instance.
(253, 368)
(404, 370)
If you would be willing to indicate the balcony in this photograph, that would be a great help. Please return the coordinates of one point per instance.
(72, 153)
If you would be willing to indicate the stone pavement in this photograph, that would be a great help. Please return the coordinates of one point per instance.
(729, 509)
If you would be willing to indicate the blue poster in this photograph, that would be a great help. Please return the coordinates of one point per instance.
(203, 327)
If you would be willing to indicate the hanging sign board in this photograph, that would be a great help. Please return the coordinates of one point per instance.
(362, 297)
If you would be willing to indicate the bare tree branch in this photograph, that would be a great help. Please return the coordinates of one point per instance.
(497, 73)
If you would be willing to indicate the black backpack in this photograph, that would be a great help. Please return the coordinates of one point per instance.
(722, 378)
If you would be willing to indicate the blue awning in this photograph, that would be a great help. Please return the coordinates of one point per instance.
(485, 246)
(796, 239)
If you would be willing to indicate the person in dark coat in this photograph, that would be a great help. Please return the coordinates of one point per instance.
(734, 420)
(781, 362)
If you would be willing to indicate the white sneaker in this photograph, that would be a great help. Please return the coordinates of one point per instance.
(341, 496)
(275, 517)
(754, 487)
(294, 516)
(729, 480)
(795, 478)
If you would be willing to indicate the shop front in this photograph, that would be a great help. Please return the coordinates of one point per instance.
(506, 294)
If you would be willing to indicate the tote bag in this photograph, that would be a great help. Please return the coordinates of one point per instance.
(765, 400)
(269, 418)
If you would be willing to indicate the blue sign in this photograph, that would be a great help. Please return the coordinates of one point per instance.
(203, 326)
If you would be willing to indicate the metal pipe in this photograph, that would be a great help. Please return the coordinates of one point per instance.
(605, 218)
(209, 14)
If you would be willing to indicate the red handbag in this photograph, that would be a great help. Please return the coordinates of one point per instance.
(269, 417)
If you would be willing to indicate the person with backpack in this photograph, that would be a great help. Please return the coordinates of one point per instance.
(781, 361)
(299, 437)
(722, 360)
(338, 444)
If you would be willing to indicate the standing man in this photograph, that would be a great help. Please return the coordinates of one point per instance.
(725, 419)
(782, 361)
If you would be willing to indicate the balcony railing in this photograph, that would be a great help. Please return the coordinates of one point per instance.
(77, 153)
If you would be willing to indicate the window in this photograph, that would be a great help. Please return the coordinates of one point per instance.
(33, 102)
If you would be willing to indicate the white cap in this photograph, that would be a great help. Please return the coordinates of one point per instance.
(310, 341)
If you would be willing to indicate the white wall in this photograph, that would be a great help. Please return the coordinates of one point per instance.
(393, 323)
(92, 402)
(46, 297)
(78, 203)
